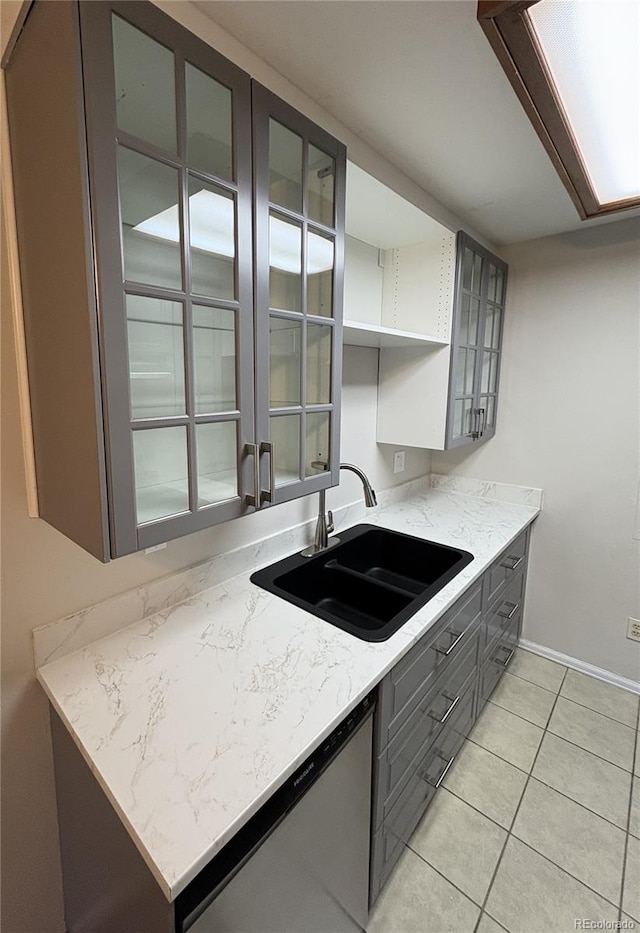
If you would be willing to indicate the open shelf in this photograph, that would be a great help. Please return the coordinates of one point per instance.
(359, 334)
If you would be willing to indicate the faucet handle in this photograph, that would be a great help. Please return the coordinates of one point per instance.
(330, 525)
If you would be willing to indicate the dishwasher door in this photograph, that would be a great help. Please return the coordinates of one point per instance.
(311, 875)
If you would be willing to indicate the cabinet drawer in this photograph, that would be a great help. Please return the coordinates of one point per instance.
(500, 573)
(398, 762)
(405, 686)
(498, 657)
(506, 608)
(388, 841)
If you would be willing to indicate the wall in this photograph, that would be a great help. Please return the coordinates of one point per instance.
(45, 576)
(569, 421)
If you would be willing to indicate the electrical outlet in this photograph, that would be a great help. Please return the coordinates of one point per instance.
(633, 629)
(398, 461)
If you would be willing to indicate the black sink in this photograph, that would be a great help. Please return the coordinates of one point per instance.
(370, 583)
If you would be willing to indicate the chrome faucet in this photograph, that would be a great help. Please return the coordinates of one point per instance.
(324, 523)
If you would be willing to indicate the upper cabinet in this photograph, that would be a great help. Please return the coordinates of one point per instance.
(433, 302)
(181, 248)
(481, 280)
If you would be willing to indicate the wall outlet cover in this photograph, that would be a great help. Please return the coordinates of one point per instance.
(398, 461)
(633, 629)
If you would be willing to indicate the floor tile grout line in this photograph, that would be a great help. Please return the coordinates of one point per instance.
(519, 715)
(595, 754)
(564, 696)
(544, 784)
(517, 810)
(566, 872)
(546, 729)
(598, 712)
(551, 786)
(535, 683)
(438, 871)
(626, 841)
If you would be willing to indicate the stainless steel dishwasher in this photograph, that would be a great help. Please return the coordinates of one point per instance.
(301, 864)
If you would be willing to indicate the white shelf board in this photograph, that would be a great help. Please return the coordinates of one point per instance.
(359, 334)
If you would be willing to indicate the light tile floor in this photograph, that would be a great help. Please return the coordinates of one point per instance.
(537, 826)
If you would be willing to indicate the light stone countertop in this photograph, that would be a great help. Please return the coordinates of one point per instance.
(191, 718)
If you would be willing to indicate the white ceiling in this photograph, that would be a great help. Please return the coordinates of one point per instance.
(417, 81)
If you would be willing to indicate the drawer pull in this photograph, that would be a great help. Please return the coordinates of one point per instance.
(516, 561)
(512, 611)
(452, 706)
(507, 659)
(443, 773)
(458, 636)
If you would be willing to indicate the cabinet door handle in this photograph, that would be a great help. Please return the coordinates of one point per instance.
(511, 613)
(267, 495)
(450, 709)
(251, 450)
(475, 433)
(515, 562)
(443, 773)
(507, 659)
(482, 421)
(458, 636)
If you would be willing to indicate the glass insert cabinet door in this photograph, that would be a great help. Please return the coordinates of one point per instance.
(218, 217)
(169, 130)
(481, 280)
(299, 230)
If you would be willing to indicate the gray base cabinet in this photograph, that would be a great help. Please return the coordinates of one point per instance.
(430, 701)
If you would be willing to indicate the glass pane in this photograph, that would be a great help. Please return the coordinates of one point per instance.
(477, 274)
(474, 317)
(285, 261)
(321, 174)
(500, 286)
(318, 364)
(492, 327)
(489, 371)
(212, 225)
(145, 86)
(214, 357)
(486, 414)
(464, 319)
(160, 461)
(462, 417)
(217, 458)
(320, 252)
(467, 269)
(149, 215)
(317, 441)
(285, 360)
(460, 372)
(285, 437)
(156, 357)
(285, 167)
(209, 136)
(491, 291)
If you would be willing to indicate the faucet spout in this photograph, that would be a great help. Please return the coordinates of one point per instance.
(324, 522)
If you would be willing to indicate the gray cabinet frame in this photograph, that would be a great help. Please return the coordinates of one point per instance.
(463, 240)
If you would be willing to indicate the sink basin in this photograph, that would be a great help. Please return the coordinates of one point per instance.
(370, 584)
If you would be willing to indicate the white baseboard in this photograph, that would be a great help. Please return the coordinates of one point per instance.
(575, 664)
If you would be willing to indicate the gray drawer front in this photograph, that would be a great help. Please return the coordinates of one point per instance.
(403, 818)
(400, 759)
(498, 657)
(500, 573)
(404, 686)
(507, 607)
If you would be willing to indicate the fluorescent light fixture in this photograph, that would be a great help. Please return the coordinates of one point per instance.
(212, 221)
(592, 50)
(212, 225)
